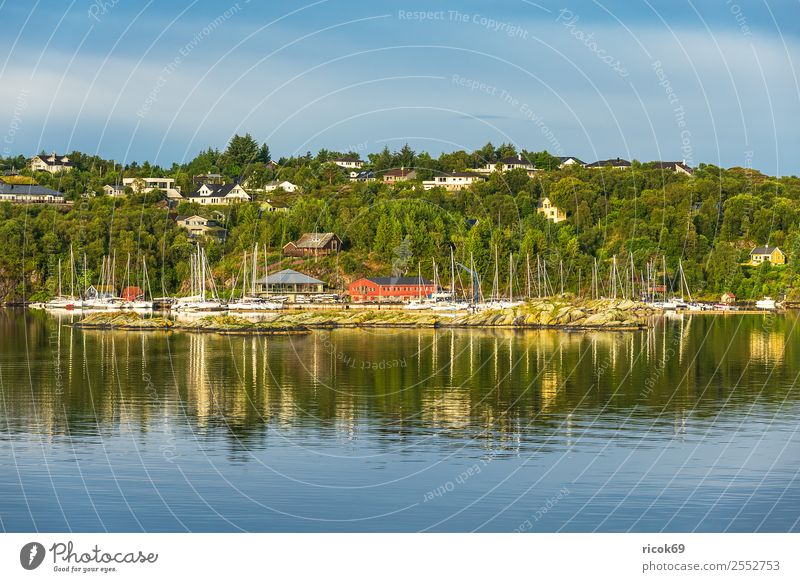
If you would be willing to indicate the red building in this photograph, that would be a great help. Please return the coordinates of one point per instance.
(376, 289)
(132, 294)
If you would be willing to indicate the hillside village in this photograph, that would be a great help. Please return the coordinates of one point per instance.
(333, 220)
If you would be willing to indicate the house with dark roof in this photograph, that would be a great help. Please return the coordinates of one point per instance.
(569, 161)
(389, 289)
(313, 244)
(767, 254)
(677, 167)
(452, 180)
(219, 194)
(291, 284)
(52, 163)
(616, 163)
(29, 194)
(399, 175)
(362, 176)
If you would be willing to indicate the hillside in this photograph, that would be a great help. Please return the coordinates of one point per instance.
(710, 221)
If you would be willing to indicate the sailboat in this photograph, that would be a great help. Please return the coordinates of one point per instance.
(106, 288)
(420, 302)
(497, 301)
(198, 282)
(61, 301)
(252, 302)
(142, 304)
(446, 300)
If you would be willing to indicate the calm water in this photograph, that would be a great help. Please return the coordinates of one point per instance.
(692, 425)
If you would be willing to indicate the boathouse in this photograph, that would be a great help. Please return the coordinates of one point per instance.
(389, 289)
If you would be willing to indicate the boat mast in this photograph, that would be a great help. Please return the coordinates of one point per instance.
(71, 273)
(527, 275)
(510, 276)
(419, 280)
(255, 270)
(452, 276)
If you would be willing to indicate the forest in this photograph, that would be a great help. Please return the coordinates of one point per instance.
(644, 216)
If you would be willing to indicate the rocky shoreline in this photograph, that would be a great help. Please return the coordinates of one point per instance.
(605, 314)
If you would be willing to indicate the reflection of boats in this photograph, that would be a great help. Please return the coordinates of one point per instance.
(766, 303)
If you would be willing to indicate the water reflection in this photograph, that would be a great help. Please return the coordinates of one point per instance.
(503, 386)
(353, 429)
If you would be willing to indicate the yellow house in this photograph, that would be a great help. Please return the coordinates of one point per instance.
(768, 254)
(550, 211)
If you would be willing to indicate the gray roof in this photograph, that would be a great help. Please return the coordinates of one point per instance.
(563, 159)
(289, 277)
(217, 190)
(764, 250)
(28, 190)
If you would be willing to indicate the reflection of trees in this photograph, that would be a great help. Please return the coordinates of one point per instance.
(496, 386)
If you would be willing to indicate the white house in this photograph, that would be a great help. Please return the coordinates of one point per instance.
(114, 190)
(348, 163)
(145, 185)
(52, 163)
(219, 194)
(286, 186)
(452, 180)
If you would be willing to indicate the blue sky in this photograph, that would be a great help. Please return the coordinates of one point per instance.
(706, 81)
